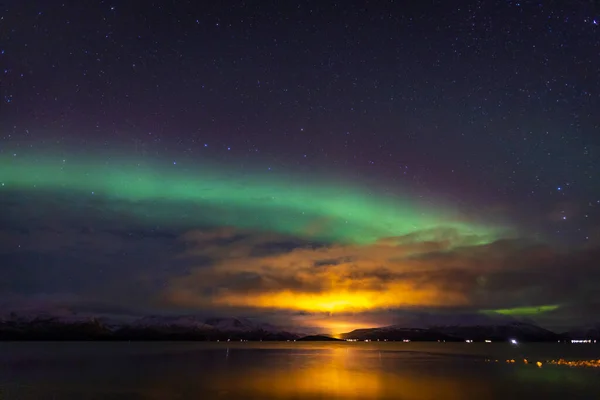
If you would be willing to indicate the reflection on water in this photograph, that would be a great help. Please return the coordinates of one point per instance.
(347, 374)
(283, 371)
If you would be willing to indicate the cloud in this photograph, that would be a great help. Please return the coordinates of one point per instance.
(435, 269)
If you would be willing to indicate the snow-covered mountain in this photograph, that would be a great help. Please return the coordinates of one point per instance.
(588, 332)
(83, 327)
(63, 317)
(187, 322)
(396, 333)
(198, 323)
(517, 330)
(197, 328)
(241, 325)
(428, 320)
(496, 332)
(74, 326)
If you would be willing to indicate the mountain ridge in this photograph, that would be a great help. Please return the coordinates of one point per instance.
(520, 331)
(190, 327)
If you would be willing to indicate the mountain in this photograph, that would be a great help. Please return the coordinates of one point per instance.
(519, 331)
(427, 320)
(196, 328)
(49, 328)
(589, 332)
(16, 327)
(83, 327)
(396, 333)
(240, 325)
(319, 338)
(171, 322)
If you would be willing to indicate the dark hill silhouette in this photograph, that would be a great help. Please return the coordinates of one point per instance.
(235, 329)
(519, 331)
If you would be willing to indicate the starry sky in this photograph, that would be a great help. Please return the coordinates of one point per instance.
(316, 163)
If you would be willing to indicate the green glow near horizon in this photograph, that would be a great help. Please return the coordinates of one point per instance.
(163, 193)
(522, 311)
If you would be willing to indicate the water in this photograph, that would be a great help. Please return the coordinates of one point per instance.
(294, 370)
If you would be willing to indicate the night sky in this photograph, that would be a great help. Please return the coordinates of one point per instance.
(317, 163)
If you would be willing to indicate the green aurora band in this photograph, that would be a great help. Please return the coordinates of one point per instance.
(524, 311)
(199, 195)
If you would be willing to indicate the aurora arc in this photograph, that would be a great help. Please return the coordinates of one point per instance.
(162, 193)
(524, 311)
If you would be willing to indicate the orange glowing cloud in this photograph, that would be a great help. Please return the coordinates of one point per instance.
(256, 272)
(392, 273)
(334, 300)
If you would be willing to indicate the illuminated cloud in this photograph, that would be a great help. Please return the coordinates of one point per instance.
(509, 276)
(333, 278)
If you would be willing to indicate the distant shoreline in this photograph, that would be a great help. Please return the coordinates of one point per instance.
(239, 330)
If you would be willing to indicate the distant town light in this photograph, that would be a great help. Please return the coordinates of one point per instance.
(513, 341)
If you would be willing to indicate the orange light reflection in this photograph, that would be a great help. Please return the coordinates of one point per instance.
(343, 374)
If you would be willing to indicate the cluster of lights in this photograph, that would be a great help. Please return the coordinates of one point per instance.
(512, 361)
(579, 363)
(583, 341)
(379, 340)
(512, 341)
(560, 361)
(369, 340)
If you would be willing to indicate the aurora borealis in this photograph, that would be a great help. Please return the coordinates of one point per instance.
(345, 221)
(252, 201)
(307, 165)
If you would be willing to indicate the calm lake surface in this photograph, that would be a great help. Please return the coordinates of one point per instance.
(294, 370)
